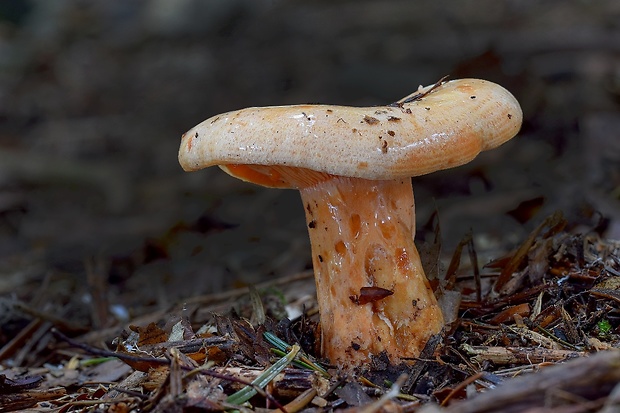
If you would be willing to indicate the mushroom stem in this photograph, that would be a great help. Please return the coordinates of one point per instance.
(362, 235)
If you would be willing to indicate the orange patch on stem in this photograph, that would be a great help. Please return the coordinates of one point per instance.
(341, 248)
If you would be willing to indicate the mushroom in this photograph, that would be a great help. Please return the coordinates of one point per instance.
(353, 168)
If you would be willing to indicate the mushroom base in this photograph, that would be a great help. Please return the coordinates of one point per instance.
(362, 235)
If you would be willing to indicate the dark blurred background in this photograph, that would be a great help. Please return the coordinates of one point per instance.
(94, 96)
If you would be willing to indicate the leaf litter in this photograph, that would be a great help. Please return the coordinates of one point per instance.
(549, 308)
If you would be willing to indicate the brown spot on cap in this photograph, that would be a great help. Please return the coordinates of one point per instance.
(370, 120)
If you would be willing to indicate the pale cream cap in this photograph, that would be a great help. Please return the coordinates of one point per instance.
(446, 127)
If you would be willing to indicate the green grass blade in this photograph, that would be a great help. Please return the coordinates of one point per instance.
(261, 381)
(304, 361)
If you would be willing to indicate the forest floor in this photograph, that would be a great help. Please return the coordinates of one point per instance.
(129, 285)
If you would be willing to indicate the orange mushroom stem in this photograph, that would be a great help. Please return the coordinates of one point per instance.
(362, 235)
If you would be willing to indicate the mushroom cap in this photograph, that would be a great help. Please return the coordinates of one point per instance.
(274, 146)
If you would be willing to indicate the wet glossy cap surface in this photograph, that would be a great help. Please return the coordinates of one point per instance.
(447, 127)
